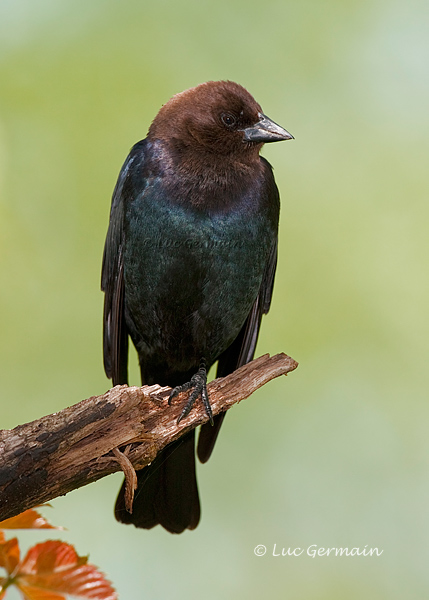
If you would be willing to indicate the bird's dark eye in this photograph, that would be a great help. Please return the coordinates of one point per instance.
(228, 119)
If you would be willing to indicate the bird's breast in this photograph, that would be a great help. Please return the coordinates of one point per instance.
(191, 277)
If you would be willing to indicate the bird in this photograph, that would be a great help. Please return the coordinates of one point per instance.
(188, 271)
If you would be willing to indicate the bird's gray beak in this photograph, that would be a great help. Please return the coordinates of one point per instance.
(265, 131)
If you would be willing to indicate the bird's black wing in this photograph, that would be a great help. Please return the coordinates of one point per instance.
(167, 491)
(241, 351)
(115, 334)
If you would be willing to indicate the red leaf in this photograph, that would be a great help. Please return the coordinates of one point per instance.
(30, 593)
(55, 567)
(51, 556)
(9, 555)
(29, 519)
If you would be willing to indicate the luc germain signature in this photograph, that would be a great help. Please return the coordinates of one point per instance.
(315, 550)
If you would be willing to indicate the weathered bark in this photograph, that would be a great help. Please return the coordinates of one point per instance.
(58, 453)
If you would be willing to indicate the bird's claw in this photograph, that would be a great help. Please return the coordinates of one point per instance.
(199, 383)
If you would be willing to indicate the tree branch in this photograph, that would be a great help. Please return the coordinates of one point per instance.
(61, 452)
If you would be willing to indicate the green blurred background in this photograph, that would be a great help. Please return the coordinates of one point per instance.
(337, 453)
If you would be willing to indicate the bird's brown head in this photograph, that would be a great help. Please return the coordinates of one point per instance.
(217, 117)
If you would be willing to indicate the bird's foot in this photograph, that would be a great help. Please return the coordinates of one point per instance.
(199, 383)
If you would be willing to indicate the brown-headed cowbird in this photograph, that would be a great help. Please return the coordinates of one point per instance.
(188, 270)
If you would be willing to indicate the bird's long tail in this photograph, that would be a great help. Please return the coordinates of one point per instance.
(167, 492)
